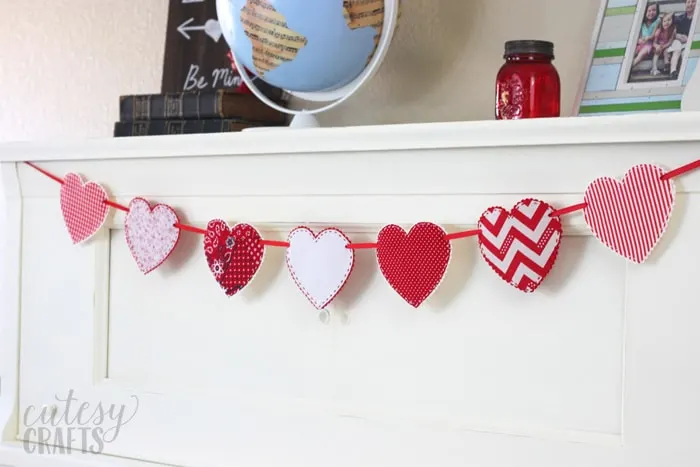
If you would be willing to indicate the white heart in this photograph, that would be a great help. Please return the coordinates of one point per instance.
(213, 29)
(319, 264)
(150, 233)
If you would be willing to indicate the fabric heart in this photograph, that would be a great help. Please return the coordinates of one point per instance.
(630, 216)
(150, 233)
(521, 246)
(319, 264)
(83, 207)
(234, 254)
(413, 263)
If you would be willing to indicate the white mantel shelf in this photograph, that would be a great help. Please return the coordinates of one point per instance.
(668, 127)
(598, 367)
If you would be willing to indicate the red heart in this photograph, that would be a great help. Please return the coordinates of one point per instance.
(83, 207)
(234, 254)
(630, 217)
(413, 263)
(521, 246)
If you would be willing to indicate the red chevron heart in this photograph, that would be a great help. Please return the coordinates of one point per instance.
(521, 246)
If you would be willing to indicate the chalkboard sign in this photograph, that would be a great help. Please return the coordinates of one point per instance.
(195, 50)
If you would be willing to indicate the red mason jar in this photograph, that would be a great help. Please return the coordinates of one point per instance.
(527, 85)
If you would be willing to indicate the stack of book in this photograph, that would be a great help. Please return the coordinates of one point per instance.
(215, 111)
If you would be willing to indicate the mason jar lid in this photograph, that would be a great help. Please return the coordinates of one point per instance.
(529, 47)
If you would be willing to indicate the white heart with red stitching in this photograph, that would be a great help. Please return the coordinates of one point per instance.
(319, 264)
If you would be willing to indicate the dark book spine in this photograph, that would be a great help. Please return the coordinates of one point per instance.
(169, 106)
(195, 106)
(181, 127)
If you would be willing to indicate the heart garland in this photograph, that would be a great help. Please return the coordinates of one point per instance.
(319, 264)
(234, 254)
(630, 216)
(413, 263)
(150, 233)
(521, 246)
(83, 207)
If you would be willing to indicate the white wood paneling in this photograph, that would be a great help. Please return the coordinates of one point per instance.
(595, 368)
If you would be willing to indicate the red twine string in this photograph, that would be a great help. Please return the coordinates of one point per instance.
(568, 209)
(361, 246)
(116, 205)
(358, 246)
(464, 234)
(45, 172)
(275, 243)
(681, 170)
(190, 228)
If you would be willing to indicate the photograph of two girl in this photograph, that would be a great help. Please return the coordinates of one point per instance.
(664, 40)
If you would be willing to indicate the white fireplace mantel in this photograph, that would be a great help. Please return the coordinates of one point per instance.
(664, 127)
(597, 368)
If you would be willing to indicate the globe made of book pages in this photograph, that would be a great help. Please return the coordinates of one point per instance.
(318, 50)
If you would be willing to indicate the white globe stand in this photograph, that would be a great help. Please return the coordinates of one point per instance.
(306, 118)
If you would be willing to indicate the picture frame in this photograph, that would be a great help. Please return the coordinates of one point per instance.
(637, 65)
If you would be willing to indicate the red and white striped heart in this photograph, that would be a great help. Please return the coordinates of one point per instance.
(521, 246)
(150, 233)
(630, 216)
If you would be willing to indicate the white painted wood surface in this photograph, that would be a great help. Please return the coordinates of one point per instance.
(597, 368)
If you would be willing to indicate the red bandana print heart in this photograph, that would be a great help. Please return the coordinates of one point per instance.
(521, 246)
(83, 207)
(150, 233)
(630, 216)
(413, 264)
(234, 254)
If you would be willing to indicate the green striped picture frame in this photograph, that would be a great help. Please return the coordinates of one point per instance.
(614, 83)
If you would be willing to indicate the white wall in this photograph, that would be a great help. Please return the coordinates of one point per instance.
(64, 63)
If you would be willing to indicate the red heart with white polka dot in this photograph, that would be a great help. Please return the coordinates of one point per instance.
(413, 263)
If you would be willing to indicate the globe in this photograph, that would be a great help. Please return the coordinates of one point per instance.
(303, 45)
(318, 50)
